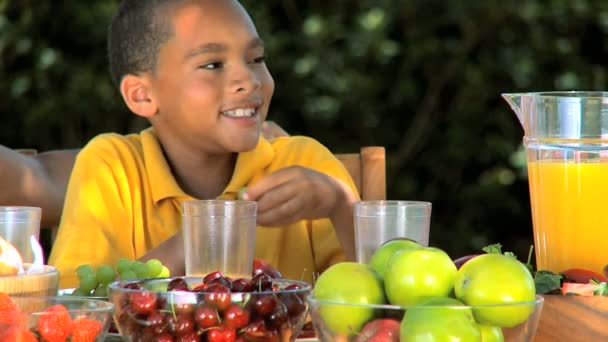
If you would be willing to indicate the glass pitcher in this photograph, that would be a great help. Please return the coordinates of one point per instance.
(566, 141)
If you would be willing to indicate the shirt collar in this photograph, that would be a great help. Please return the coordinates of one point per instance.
(163, 184)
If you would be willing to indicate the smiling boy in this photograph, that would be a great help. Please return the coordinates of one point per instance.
(195, 69)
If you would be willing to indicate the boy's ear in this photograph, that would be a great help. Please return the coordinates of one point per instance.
(136, 92)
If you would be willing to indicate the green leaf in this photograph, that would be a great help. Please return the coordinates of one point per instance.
(601, 289)
(493, 249)
(547, 281)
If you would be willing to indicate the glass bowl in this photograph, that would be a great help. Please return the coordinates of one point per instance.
(44, 283)
(360, 322)
(58, 318)
(197, 309)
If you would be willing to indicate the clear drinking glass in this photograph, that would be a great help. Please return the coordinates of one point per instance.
(219, 235)
(379, 221)
(17, 225)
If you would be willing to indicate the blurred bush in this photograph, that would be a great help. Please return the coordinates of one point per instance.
(422, 78)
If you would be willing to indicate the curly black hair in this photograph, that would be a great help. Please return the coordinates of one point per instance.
(137, 31)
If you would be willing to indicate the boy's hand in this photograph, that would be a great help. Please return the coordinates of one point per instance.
(292, 194)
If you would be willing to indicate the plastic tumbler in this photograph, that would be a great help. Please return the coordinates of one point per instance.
(379, 221)
(17, 225)
(219, 235)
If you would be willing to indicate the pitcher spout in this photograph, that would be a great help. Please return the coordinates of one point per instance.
(514, 101)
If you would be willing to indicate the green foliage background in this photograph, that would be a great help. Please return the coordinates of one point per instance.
(421, 77)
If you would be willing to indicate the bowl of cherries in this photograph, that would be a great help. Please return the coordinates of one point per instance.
(210, 308)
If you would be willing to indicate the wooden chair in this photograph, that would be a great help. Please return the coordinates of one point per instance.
(368, 170)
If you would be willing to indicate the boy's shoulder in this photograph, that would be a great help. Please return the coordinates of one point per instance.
(114, 144)
(297, 143)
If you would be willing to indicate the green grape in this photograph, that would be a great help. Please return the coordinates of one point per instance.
(88, 282)
(123, 265)
(127, 275)
(101, 291)
(84, 270)
(140, 269)
(164, 273)
(154, 267)
(80, 292)
(105, 274)
(241, 192)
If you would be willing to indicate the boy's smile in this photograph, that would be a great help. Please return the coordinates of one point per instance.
(211, 86)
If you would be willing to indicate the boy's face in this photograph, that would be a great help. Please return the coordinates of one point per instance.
(211, 85)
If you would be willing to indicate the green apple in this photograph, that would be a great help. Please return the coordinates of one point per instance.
(379, 259)
(439, 319)
(415, 275)
(351, 283)
(496, 281)
(491, 334)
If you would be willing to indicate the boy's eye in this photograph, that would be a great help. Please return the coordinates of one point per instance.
(211, 66)
(260, 59)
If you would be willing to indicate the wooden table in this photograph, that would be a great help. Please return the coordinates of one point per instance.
(573, 318)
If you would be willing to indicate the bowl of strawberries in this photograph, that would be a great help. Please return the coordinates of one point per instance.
(54, 319)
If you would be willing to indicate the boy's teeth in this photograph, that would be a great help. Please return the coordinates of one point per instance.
(240, 112)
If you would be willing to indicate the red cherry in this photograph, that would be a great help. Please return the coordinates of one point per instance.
(255, 330)
(278, 317)
(180, 324)
(134, 285)
(236, 317)
(218, 296)
(183, 308)
(221, 281)
(206, 317)
(178, 284)
(211, 276)
(156, 323)
(261, 282)
(163, 338)
(293, 303)
(265, 304)
(221, 334)
(200, 288)
(189, 337)
(240, 285)
(143, 302)
(262, 266)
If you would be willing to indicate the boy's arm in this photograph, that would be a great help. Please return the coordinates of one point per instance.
(171, 253)
(24, 180)
(343, 220)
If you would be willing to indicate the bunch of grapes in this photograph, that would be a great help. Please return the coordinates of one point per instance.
(94, 282)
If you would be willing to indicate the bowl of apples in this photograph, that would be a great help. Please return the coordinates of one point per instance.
(409, 292)
(210, 308)
(443, 319)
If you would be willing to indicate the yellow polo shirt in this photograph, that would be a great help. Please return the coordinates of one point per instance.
(122, 200)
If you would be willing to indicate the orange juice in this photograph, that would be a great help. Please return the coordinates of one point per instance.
(569, 203)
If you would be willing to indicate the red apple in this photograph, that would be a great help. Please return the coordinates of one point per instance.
(379, 330)
(262, 266)
(460, 261)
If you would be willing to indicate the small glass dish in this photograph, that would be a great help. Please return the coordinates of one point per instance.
(59, 318)
(145, 310)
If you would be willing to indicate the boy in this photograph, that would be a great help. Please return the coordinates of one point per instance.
(195, 69)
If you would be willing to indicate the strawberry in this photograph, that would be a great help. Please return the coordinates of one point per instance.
(7, 304)
(18, 335)
(85, 330)
(10, 320)
(55, 324)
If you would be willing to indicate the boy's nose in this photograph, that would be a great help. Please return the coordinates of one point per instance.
(244, 80)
